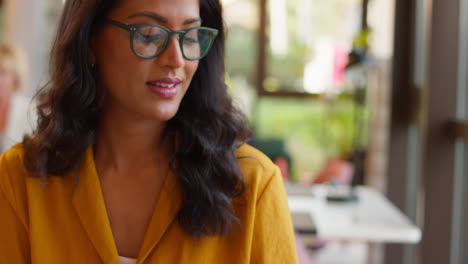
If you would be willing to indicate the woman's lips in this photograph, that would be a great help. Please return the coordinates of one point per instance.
(165, 87)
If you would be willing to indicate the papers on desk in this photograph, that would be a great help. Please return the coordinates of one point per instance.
(304, 223)
(372, 217)
(298, 190)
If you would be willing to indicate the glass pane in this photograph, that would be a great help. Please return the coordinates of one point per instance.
(308, 43)
(309, 132)
(241, 51)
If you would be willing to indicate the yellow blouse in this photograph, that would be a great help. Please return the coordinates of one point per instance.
(64, 220)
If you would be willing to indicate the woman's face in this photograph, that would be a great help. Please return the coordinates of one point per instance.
(146, 89)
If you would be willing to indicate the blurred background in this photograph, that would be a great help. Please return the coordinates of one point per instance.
(353, 92)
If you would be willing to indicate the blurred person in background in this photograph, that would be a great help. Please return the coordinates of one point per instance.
(139, 155)
(15, 117)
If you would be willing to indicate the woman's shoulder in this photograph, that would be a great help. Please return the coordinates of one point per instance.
(12, 160)
(11, 165)
(248, 152)
(258, 169)
(13, 175)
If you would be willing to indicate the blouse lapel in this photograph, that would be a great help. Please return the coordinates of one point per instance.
(89, 205)
(165, 212)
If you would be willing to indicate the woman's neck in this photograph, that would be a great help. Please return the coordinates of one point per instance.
(123, 144)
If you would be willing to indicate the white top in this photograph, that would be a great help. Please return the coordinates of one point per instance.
(371, 218)
(125, 260)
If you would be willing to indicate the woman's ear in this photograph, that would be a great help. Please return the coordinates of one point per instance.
(92, 54)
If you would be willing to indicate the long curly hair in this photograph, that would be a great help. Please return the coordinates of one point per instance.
(209, 127)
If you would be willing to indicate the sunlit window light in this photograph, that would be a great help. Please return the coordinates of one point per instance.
(278, 29)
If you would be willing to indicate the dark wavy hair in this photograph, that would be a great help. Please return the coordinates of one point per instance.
(208, 126)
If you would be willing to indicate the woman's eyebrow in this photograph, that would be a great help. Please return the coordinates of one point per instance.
(192, 20)
(162, 19)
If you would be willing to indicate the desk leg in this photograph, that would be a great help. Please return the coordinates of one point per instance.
(375, 253)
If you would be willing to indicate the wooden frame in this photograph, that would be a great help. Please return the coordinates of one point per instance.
(402, 85)
(428, 157)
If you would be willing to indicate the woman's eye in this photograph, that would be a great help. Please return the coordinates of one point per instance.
(190, 41)
(149, 38)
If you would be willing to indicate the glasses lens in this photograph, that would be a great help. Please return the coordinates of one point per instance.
(149, 41)
(197, 42)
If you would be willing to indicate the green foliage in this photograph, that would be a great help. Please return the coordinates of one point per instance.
(313, 130)
(241, 50)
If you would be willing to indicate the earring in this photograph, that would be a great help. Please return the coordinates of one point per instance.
(92, 60)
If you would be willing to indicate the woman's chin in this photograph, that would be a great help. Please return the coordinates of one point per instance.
(162, 114)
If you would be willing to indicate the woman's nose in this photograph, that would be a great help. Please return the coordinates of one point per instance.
(172, 56)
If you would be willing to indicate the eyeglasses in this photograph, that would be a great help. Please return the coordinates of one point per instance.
(148, 41)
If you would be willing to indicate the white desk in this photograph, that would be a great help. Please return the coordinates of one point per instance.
(372, 218)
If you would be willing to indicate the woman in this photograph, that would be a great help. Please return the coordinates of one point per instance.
(15, 117)
(139, 154)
